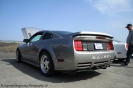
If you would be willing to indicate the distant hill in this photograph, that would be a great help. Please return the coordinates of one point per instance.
(10, 41)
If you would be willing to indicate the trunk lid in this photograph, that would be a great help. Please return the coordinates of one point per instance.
(92, 41)
(83, 33)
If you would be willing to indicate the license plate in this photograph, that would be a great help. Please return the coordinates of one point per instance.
(98, 46)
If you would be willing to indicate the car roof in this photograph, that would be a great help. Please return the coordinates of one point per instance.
(61, 33)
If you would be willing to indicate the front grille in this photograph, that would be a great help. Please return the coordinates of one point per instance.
(89, 46)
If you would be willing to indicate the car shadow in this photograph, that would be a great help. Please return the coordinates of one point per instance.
(58, 78)
(114, 65)
(117, 63)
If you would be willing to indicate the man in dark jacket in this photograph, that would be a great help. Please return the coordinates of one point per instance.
(129, 41)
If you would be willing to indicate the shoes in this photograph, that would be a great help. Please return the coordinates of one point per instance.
(123, 64)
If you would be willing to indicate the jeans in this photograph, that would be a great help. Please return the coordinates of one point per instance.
(129, 54)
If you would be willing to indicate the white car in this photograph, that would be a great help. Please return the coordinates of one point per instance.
(120, 49)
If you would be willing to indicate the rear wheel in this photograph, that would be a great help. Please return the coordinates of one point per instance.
(18, 56)
(46, 64)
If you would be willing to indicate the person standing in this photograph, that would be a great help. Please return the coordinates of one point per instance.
(129, 41)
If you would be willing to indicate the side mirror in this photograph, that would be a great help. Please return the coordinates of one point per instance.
(26, 40)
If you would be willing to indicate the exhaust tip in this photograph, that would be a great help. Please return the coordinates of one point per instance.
(104, 66)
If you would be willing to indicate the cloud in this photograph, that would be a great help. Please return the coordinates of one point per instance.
(111, 7)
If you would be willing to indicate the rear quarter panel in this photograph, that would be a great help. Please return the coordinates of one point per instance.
(58, 48)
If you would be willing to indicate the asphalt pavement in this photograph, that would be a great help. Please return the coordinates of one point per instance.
(23, 75)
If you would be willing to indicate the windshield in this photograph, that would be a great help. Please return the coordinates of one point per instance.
(62, 33)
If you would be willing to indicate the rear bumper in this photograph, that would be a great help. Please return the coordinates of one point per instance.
(93, 58)
(120, 55)
(85, 60)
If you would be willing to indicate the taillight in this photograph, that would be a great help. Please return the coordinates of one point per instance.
(110, 46)
(78, 45)
(100, 37)
(126, 46)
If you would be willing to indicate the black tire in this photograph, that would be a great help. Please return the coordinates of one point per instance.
(122, 59)
(18, 56)
(46, 64)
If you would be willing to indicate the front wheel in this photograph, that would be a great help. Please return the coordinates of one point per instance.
(18, 56)
(46, 64)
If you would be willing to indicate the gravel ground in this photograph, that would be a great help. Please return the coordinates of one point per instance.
(23, 75)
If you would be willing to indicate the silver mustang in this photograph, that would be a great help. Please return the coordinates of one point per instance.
(66, 51)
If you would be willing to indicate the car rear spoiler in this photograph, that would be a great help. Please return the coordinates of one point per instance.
(89, 34)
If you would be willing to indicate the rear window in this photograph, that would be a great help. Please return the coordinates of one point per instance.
(47, 36)
(62, 33)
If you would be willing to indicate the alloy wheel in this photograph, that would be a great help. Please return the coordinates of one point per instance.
(44, 63)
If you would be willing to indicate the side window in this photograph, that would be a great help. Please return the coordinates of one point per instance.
(36, 38)
(47, 36)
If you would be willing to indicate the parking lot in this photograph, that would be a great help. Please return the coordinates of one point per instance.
(23, 75)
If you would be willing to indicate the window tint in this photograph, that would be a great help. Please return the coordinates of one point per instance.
(47, 36)
(36, 38)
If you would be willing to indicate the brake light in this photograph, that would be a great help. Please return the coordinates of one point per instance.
(100, 37)
(78, 45)
(126, 46)
(110, 46)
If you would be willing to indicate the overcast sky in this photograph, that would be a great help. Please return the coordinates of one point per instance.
(108, 16)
